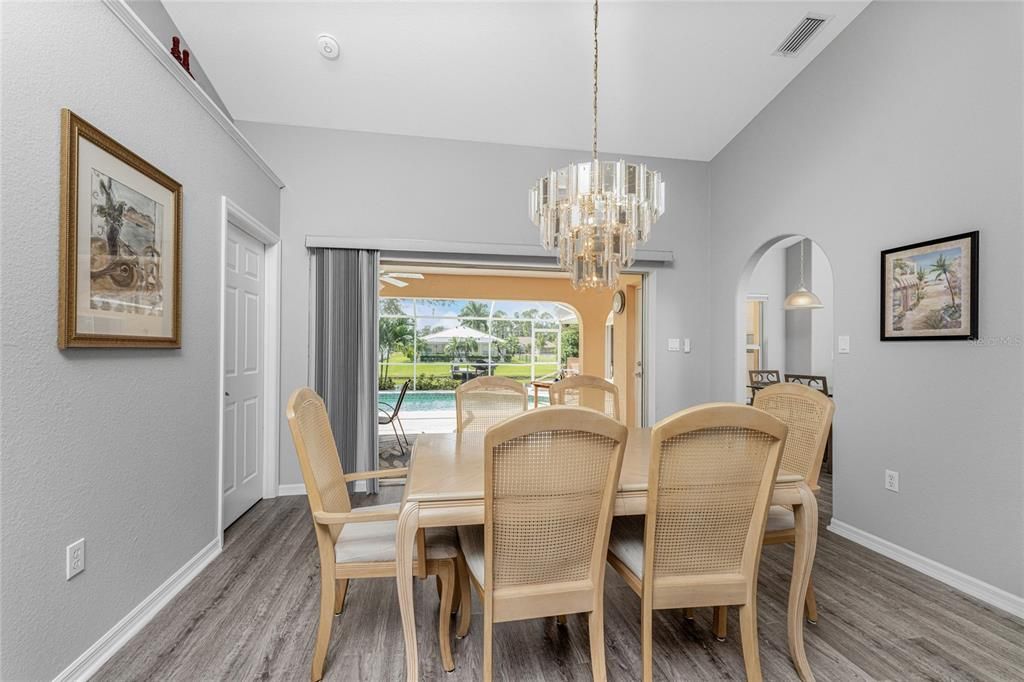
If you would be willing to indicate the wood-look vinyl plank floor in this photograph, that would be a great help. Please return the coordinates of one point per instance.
(251, 615)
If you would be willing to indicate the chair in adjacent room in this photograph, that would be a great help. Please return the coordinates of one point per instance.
(711, 476)
(584, 388)
(485, 401)
(759, 378)
(807, 412)
(818, 382)
(358, 543)
(550, 478)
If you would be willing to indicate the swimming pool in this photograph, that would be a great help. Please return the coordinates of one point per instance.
(431, 401)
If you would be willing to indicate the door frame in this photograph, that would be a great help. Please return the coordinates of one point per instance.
(234, 214)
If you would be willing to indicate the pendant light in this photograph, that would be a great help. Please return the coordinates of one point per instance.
(802, 298)
(594, 213)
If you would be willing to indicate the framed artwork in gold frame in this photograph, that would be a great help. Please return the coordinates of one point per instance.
(120, 245)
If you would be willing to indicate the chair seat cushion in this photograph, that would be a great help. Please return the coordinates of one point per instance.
(471, 539)
(627, 542)
(375, 540)
(779, 518)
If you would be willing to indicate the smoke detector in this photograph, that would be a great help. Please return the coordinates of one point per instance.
(328, 46)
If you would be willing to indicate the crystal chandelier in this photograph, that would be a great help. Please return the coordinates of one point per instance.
(594, 213)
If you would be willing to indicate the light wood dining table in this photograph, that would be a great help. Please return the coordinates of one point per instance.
(445, 487)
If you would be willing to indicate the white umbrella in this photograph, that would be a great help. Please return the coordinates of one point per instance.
(446, 335)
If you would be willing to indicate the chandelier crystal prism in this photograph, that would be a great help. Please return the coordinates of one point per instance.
(595, 213)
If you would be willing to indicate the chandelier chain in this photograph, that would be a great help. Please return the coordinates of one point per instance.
(595, 81)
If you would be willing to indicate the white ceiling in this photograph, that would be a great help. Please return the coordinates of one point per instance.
(678, 79)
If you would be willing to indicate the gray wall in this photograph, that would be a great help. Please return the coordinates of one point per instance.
(907, 127)
(360, 184)
(822, 332)
(798, 322)
(116, 446)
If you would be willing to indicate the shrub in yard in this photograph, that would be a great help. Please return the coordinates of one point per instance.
(436, 383)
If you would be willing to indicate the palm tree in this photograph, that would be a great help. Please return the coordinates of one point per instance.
(460, 348)
(475, 309)
(942, 268)
(393, 333)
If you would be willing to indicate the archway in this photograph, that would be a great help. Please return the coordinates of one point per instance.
(769, 337)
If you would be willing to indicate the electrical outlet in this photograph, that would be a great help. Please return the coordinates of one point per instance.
(75, 558)
(892, 480)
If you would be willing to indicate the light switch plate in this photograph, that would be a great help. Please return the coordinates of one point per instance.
(673, 345)
(686, 345)
(844, 344)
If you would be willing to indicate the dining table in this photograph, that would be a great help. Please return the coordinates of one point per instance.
(445, 487)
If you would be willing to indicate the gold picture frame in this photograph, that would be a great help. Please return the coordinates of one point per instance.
(120, 245)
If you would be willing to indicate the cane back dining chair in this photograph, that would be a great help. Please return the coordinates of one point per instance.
(550, 478)
(712, 472)
(587, 391)
(485, 401)
(808, 414)
(357, 543)
(820, 382)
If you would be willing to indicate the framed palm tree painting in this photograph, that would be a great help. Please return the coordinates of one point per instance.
(930, 290)
(120, 249)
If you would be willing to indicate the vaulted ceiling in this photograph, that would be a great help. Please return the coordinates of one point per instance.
(678, 79)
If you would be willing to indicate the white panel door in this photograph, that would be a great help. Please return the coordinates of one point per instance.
(243, 373)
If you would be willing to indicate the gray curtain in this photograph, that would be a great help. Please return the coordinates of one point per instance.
(344, 353)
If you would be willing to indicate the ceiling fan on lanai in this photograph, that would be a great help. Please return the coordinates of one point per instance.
(395, 278)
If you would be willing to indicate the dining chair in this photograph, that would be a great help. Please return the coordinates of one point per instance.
(390, 415)
(550, 478)
(711, 474)
(807, 412)
(358, 543)
(585, 388)
(819, 382)
(485, 401)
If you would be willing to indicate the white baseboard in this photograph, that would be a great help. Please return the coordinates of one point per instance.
(106, 646)
(990, 594)
(300, 489)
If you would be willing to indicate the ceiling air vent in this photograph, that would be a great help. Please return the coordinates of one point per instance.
(801, 35)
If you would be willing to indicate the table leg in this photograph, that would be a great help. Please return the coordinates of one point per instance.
(536, 397)
(806, 521)
(408, 524)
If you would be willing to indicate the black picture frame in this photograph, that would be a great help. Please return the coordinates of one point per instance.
(894, 286)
